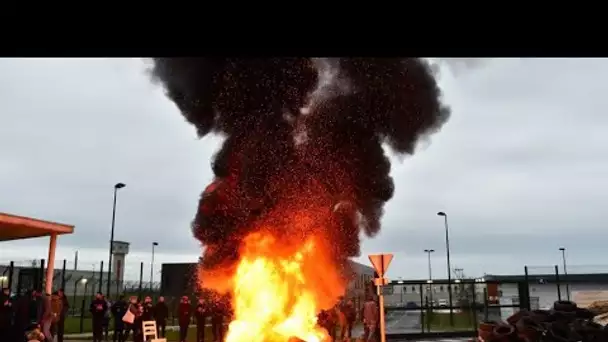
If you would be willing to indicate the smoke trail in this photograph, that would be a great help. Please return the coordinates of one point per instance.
(392, 101)
(256, 104)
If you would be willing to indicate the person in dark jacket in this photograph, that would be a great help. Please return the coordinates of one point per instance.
(200, 313)
(184, 312)
(350, 316)
(6, 313)
(21, 314)
(138, 333)
(107, 317)
(119, 309)
(161, 313)
(148, 314)
(327, 320)
(218, 312)
(34, 308)
(98, 309)
(64, 313)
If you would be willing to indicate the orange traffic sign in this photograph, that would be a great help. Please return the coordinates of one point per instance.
(381, 262)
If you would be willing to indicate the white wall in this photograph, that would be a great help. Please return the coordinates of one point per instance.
(547, 293)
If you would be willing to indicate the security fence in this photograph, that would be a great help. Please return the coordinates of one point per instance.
(422, 308)
(23, 276)
(417, 308)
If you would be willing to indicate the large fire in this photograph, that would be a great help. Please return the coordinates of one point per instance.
(279, 286)
(273, 298)
(294, 189)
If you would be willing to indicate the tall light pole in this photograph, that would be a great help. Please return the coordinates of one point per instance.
(428, 252)
(447, 248)
(116, 187)
(430, 281)
(154, 244)
(563, 249)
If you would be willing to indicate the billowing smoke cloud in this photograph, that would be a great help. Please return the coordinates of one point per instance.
(256, 104)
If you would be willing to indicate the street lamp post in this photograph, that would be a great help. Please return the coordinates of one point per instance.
(428, 252)
(116, 187)
(563, 249)
(447, 247)
(154, 244)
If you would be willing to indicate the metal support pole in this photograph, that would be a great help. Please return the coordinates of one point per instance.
(527, 286)
(65, 263)
(10, 275)
(41, 276)
(557, 282)
(566, 278)
(381, 301)
(447, 246)
(116, 187)
(154, 244)
(50, 267)
(141, 278)
(101, 279)
(112, 237)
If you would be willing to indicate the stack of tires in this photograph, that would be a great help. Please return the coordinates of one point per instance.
(565, 322)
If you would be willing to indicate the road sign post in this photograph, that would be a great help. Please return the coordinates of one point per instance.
(381, 263)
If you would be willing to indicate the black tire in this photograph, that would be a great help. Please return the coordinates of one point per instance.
(564, 306)
(540, 316)
(503, 330)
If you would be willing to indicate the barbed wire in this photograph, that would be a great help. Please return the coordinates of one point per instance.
(132, 271)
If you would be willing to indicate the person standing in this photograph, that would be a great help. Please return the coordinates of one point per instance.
(148, 314)
(119, 309)
(56, 312)
(6, 313)
(133, 308)
(161, 313)
(35, 308)
(349, 315)
(98, 310)
(138, 332)
(219, 311)
(370, 319)
(107, 317)
(184, 313)
(22, 315)
(65, 306)
(201, 320)
(46, 316)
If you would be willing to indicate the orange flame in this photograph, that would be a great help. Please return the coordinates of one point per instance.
(279, 286)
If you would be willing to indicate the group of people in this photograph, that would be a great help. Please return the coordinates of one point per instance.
(39, 317)
(129, 316)
(217, 311)
(33, 316)
(343, 316)
(138, 311)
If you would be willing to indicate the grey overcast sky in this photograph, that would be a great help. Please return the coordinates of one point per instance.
(520, 168)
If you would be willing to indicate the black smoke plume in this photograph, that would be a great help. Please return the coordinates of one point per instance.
(256, 104)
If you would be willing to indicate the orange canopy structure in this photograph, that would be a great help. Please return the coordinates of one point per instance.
(14, 227)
